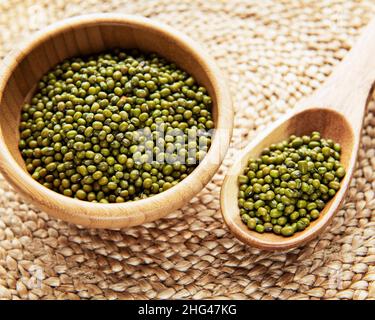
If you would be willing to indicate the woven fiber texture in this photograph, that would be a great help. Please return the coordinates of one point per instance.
(273, 53)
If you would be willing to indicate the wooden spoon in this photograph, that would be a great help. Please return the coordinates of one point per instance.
(336, 110)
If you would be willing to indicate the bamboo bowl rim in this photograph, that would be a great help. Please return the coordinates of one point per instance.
(133, 212)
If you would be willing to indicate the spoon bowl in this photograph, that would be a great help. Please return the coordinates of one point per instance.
(331, 125)
(336, 110)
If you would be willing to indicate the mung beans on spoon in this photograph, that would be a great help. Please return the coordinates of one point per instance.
(336, 110)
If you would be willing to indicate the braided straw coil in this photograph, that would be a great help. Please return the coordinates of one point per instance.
(273, 53)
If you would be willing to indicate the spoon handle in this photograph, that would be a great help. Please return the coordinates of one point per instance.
(348, 89)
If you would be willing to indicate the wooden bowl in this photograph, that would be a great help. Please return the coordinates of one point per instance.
(91, 34)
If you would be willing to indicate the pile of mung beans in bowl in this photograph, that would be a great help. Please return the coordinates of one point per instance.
(115, 127)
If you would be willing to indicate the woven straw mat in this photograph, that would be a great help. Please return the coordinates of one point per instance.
(273, 53)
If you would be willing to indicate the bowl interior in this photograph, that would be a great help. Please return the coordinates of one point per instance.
(331, 125)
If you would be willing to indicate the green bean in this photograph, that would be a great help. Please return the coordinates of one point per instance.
(290, 184)
(80, 132)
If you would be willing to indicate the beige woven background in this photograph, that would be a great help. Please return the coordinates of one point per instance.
(273, 53)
